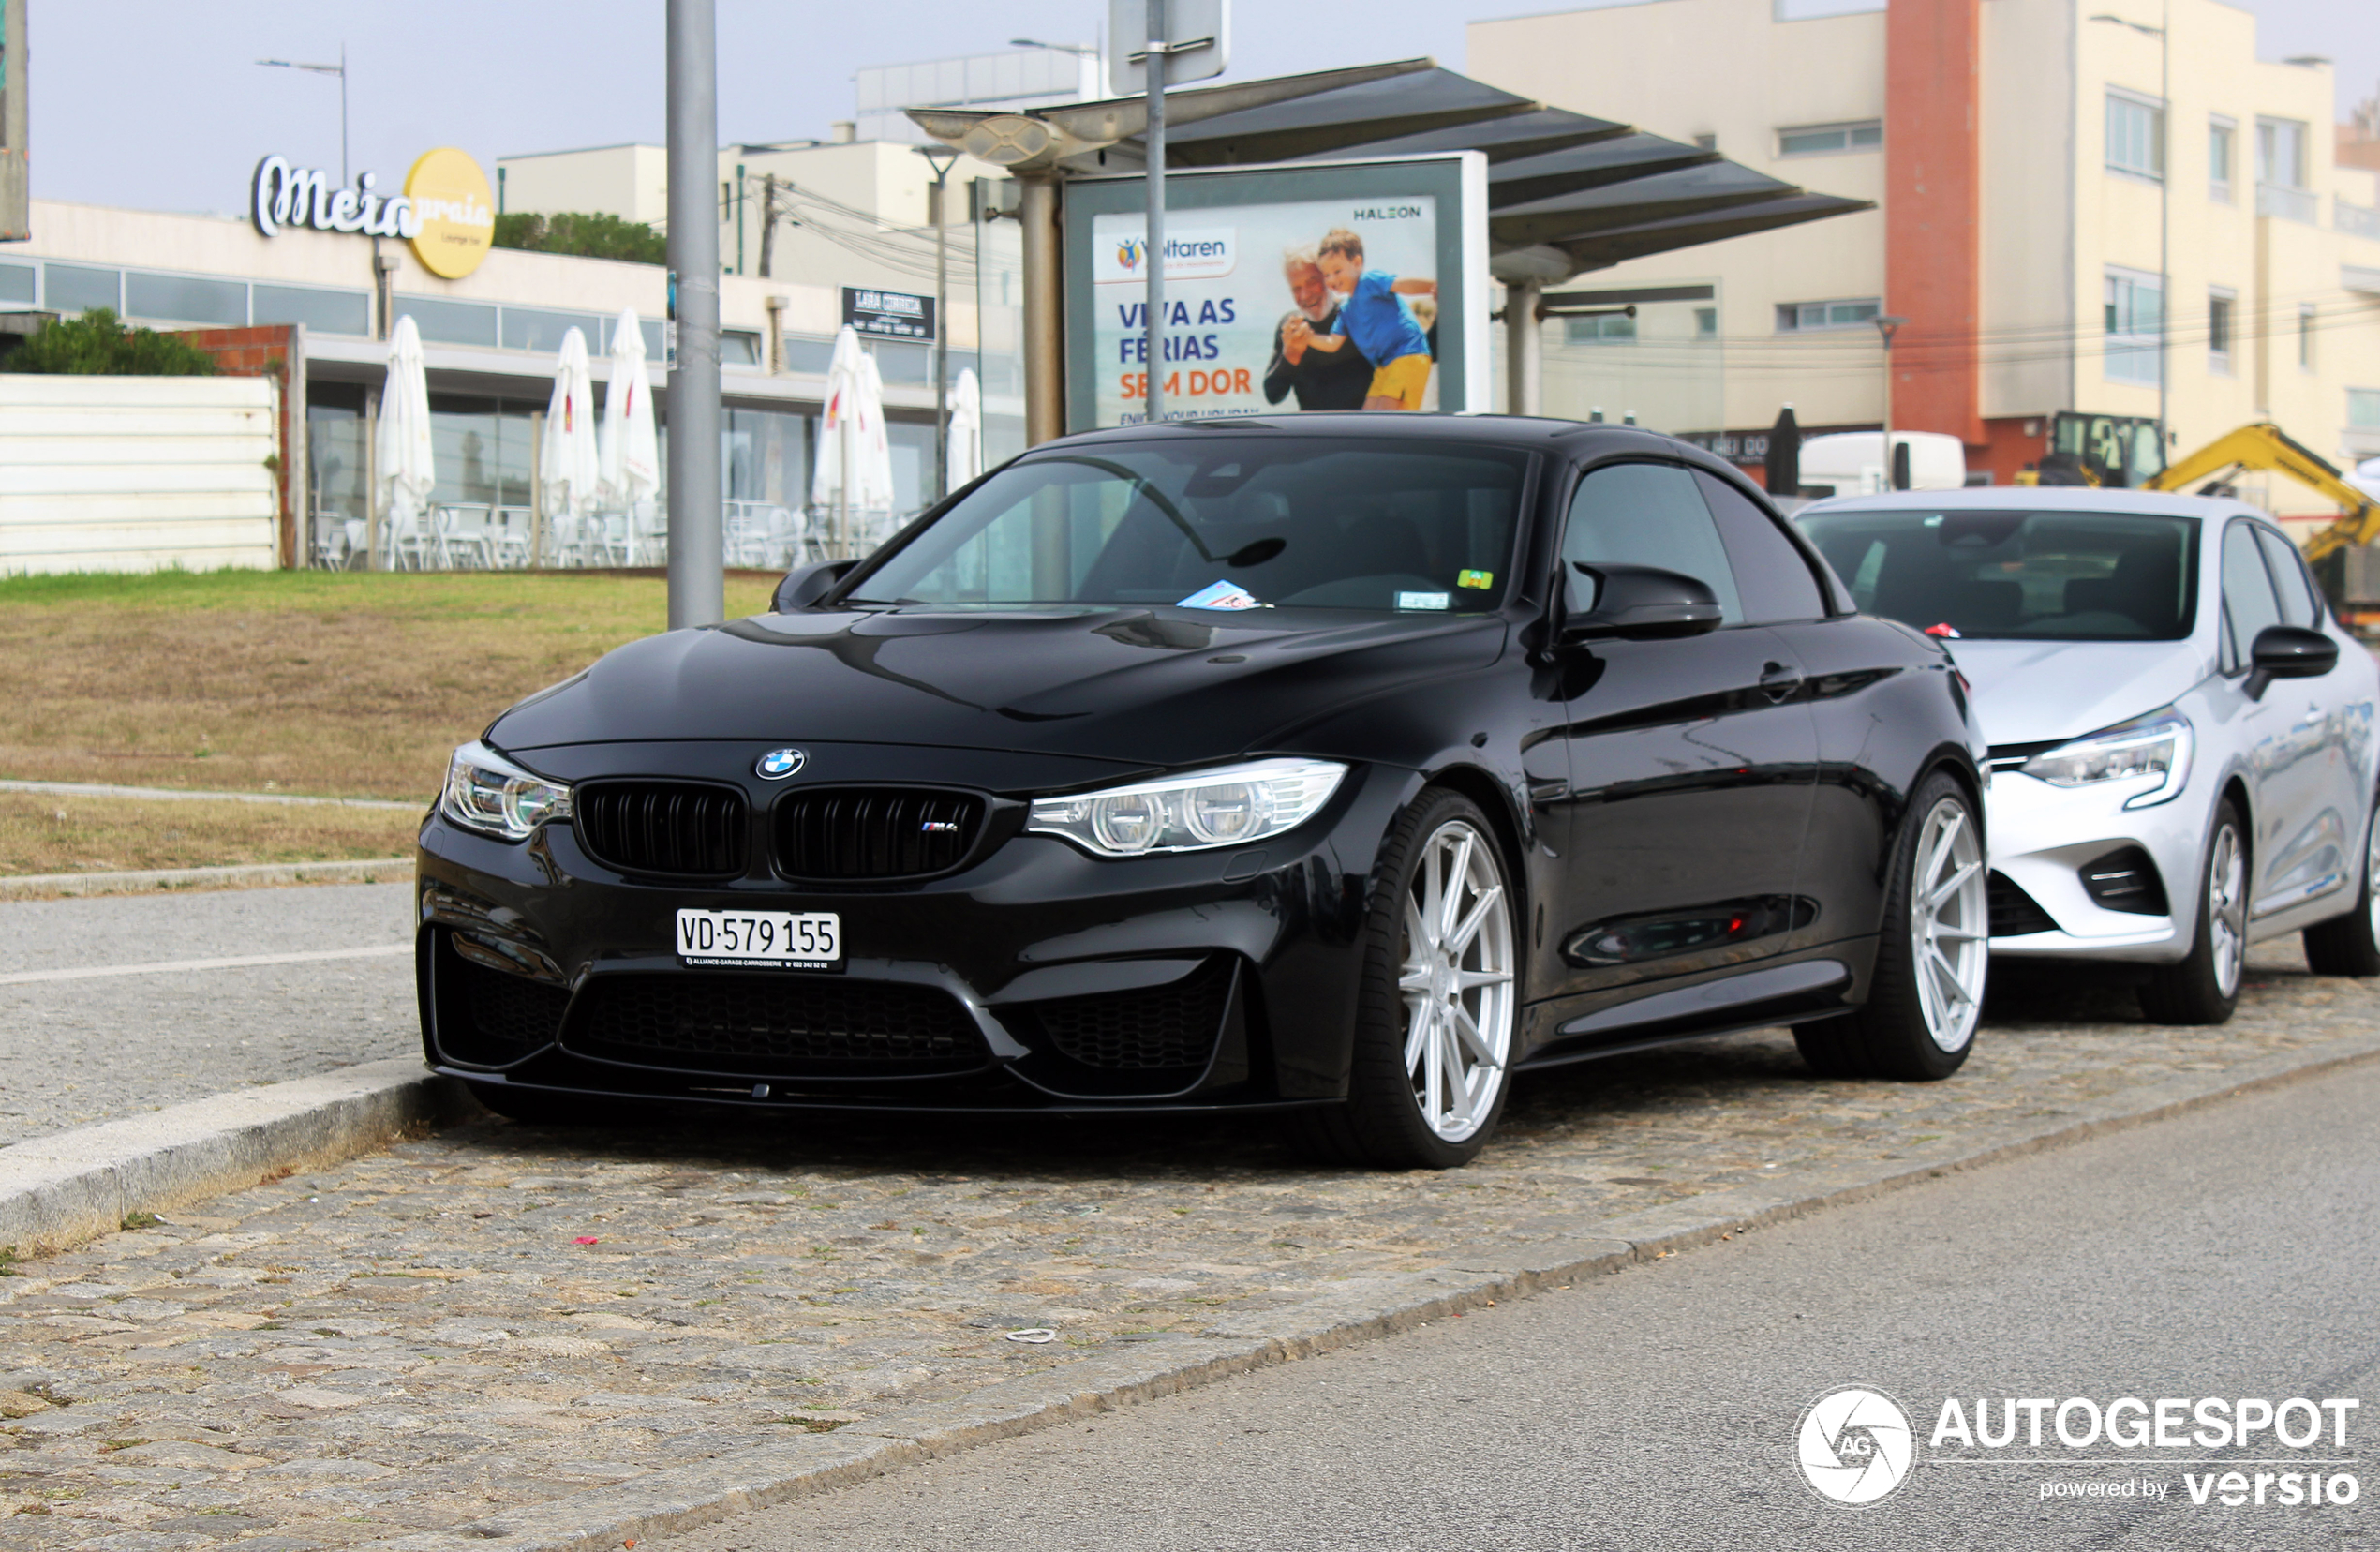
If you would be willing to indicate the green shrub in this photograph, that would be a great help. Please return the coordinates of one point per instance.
(98, 344)
(586, 234)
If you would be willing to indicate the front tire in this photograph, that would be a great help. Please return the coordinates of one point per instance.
(1919, 1020)
(2350, 945)
(2203, 989)
(1439, 998)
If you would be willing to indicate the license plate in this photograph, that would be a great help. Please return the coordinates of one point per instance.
(778, 940)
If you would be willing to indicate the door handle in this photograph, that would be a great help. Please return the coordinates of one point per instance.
(1779, 680)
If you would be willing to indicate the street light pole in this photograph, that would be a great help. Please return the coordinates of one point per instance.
(339, 70)
(698, 586)
(1154, 330)
(941, 157)
(1887, 326)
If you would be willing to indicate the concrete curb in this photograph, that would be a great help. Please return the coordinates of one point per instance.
(379, 871)
(101, 789)
(1476, 1275)
(59, 1190)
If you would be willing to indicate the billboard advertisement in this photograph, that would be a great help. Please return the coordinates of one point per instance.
(1338, 286)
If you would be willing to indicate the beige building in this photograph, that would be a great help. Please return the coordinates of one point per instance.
(2063, 188)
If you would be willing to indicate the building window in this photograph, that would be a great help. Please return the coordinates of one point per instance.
(1609, 329)
(2305, 338)
(1806, 317)
(69, 289)
(2136, 136)
(1706, 323)
(2221, 132)
(2363, 408)
(1821, 140)
(2219, 315)
(2136, 305)
(2280, 153)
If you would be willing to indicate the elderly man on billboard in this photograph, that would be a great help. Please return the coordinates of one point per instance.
(1321, 378)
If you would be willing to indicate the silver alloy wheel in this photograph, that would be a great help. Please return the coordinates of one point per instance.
(2371, 874)
(1457, 981)
(1949, 918)
(2228, 907)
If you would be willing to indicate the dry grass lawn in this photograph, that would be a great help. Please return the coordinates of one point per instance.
(41, 834)
(345, 684)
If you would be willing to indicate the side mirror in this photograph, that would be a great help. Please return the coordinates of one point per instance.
(805, 585)
(1635, 602)
(2288, 652)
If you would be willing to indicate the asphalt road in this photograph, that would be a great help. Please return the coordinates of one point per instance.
(81, 1051)
(2229, 1252)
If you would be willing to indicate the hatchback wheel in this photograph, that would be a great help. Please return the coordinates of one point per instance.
(2204, 987)
(1437, 1010)
(2350, 945)
(1920, 1017)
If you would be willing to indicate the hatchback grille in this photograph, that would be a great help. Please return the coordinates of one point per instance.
(874, 832)
(1158, 1027)
(681, 827)
(2014, 913)
(795, 1025)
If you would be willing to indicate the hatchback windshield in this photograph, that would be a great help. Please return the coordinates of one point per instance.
(2056, 575)
(1234, 522)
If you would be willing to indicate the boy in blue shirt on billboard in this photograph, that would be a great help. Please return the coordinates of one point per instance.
(1376, 317)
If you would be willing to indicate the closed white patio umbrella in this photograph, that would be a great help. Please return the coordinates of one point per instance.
(631, 454)
(407, 462)
(568, 468)
(855, 455)
(966, 429)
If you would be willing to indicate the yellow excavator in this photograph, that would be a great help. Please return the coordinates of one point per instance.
(2265, 446)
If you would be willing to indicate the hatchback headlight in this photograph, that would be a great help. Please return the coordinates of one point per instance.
(1228, 806)
(2157, 745)
(488, 793)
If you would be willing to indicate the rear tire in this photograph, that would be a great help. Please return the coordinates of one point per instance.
(2204, 987)
(1931, 958)
(2350, 945)
(1438, 1003)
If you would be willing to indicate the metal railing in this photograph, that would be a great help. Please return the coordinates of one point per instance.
(2355, 219)
(2289, 204)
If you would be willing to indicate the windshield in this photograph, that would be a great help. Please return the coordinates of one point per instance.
(1235, 522)
(2051, 576)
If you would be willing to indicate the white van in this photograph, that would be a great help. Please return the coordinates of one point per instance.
(1852, 463)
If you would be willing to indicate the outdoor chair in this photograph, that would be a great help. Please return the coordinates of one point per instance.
(463, 540)
(510, 536)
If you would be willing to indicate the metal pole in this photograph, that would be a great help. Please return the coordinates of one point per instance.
(1154, 331)
(1524, 350)
(697, 587)
(344, 179)
(2164, 228)
(942, 331)
(1044, 303)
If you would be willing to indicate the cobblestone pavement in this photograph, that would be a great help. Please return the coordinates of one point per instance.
(73, 1053)
(498, 1316)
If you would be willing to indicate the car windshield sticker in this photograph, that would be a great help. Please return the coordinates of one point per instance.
(1221, 595)
(1475, 579)
(1423, 600)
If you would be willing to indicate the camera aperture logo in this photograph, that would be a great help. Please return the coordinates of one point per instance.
(1856, 1446)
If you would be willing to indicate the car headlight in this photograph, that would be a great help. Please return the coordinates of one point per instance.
(2156, 746)
(1227, 806)
(488, 793)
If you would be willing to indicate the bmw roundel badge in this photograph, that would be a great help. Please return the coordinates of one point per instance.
(778, 764)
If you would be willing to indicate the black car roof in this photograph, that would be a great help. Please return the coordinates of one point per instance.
(1580, 440)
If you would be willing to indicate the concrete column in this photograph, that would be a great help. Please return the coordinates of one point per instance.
(1044, 309)
(1524, 350)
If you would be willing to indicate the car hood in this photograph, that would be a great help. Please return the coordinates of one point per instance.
(2040, 692)
(1151, 687)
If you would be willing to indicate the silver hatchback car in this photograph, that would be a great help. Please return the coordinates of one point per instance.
(2181, 733)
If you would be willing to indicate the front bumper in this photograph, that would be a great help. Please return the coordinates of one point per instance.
(1036, 978)
(2048, 844)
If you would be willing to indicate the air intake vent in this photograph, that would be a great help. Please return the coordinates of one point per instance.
(2125, 880)
(776, 1026)
(1159, 1027)
(2014, 913)
(874, 832)
(680, 827)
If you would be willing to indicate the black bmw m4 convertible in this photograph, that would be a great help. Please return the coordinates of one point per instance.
(1343, 766)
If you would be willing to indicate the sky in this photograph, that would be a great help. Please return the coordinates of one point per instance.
(158, 104)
